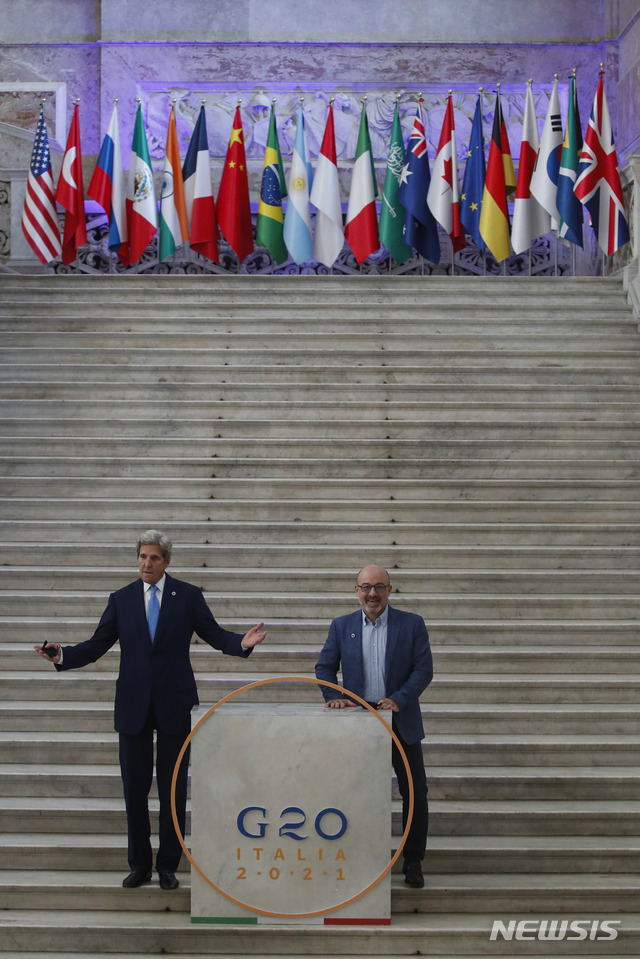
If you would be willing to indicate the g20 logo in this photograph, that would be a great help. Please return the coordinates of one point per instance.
(253, 824)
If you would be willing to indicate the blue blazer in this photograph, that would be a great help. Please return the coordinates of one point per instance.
(157, 673)
(408, 664)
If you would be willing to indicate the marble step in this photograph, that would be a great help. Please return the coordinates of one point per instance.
(473, 687)
(27, 629)
(439, 719)
(252, 606)
(93, 815)
(188, 494)
(446, 854)
(452, 893)
(146, 932)
(596, 459)
(479, 749)
(572, 582)
(50, 781)
(273, 657)
(251, 560)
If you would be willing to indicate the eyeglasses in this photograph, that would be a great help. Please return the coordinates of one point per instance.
(367, 587)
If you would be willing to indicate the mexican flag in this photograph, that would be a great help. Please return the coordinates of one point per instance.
(142, 207)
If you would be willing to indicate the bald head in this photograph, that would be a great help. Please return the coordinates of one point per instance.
(373, 587)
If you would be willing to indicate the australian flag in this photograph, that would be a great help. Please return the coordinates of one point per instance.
(420, 227)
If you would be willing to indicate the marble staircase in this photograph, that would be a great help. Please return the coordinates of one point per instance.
(478, 437)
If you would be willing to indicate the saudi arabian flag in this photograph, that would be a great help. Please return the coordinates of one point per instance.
(392, 212)
(270, 222)
(142, 207)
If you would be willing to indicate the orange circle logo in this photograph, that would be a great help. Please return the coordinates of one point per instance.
(249, 906)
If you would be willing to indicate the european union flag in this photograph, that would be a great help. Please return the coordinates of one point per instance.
(473, 182)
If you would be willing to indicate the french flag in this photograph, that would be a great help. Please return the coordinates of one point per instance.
(198, 193)
(107, 189)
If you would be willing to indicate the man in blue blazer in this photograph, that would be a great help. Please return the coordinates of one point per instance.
(153, 619)
(386, 660)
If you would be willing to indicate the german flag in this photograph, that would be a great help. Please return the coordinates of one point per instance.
(499, 182)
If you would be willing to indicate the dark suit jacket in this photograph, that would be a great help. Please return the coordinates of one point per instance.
(408, 664)
(157, 673)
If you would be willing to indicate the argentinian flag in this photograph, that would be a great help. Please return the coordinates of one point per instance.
(297, 219)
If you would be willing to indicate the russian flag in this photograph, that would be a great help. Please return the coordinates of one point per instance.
(198, 193)
(107, 189)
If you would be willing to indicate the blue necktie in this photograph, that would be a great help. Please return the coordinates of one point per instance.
(153, 611)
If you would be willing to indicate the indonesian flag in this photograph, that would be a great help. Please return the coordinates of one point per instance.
(142, 207)
(198, 193)
(70, 193)
(443, 197)
(361, 230)
(325, 196)
(107, 189)
(529, 218)
(598, 184)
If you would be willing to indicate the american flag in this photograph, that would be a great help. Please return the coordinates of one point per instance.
(39, 218)
(597, 183)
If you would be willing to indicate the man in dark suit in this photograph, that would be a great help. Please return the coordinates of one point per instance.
(154, 619)
(386, 660)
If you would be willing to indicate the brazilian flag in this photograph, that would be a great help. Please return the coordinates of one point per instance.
(270, 220)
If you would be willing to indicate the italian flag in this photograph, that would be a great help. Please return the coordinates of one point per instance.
(361, 230)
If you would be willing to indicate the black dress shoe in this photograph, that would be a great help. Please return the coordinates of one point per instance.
(413, 877)
(137, 877)
(167, 879)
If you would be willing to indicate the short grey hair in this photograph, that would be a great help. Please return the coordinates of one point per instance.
(153, 537)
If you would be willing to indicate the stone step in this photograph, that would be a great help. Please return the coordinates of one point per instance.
(432, 606)
(452, 893)
(25, 630)
(448, 854)
(286, 580)
(148, 932)
(93, 815)
(273, 657)
(439, 719)
(250, 559)
(84, 748)
(600, 460)
(198, 494)
(473, 687)
(455, 784)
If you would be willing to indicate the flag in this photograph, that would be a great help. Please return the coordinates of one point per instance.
(473, 182)
(297, 217)
(598, 184)
(544, 180)
(107, 189)
(361, 228)
(391, 210)
(494, 217)
(70, 193)
(39, 217)
(421, 230)
(270, 222)
(234, 207)
(142, 207)
(328, 239)
(507, 162)
(569, 206)
(174, 225)
(443, 197)
(529, 218)
(198, 192)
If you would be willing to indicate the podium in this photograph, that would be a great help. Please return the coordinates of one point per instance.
(290, 815)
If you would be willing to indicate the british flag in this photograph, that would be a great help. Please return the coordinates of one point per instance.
(597, 183)
(39, 217)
